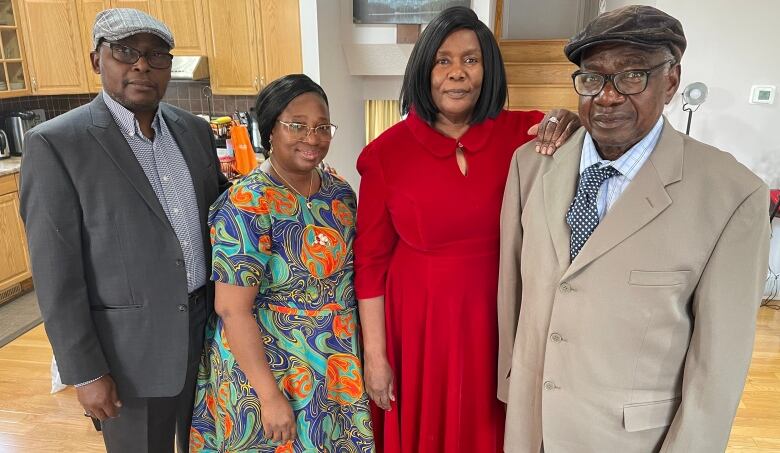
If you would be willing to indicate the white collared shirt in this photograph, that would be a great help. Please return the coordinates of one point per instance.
(628, 165)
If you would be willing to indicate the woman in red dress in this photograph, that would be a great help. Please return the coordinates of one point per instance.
(426, 251)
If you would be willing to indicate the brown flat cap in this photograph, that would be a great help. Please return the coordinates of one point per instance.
(638, 25)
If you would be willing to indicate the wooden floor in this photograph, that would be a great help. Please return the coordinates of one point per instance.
(32, 420)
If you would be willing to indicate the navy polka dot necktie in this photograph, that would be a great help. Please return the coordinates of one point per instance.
(583, 215)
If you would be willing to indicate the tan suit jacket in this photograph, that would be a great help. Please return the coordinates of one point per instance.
(642, 343)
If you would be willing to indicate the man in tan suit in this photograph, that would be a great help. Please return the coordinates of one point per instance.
(632, 264)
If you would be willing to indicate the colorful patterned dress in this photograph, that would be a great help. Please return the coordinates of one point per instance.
(301, 259)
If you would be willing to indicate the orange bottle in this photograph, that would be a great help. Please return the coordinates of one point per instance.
(242, 149)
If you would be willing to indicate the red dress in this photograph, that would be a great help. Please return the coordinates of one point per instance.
(428, 240)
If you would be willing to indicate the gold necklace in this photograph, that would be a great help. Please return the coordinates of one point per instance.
(311, 181)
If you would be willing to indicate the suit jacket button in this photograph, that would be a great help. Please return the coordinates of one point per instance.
(182, 307)
(556, 338)
(179, 263)
(564, 287)
(549, 385)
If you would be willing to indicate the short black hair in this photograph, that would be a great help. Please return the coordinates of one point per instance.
(273, 99)
(416, 87)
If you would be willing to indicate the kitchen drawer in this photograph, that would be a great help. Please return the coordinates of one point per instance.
(7, 184)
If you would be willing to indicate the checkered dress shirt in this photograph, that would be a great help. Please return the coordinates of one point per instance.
(628, 165)
(167, 172)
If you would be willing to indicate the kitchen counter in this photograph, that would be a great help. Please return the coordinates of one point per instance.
(10, 165)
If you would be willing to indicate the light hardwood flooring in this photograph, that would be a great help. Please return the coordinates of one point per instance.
(32, 420)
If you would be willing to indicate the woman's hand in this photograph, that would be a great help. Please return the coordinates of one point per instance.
(379, 381)
(276, 415)
(556, 127)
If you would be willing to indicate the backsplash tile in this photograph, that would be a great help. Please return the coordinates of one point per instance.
(188, 95)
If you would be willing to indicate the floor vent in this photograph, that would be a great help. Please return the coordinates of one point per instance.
(10, 293)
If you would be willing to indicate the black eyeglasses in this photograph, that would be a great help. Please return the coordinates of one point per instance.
(300, 131)
(633, 81)
(154, 58)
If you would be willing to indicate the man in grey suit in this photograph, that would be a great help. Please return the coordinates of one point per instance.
(114, 197)
(632, 264)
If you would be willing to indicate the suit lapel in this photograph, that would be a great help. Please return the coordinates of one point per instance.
(560, 185)
(107, 133)
(188, 147)
(644, 199)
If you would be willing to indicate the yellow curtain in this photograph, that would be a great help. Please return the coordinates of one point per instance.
(380, 115)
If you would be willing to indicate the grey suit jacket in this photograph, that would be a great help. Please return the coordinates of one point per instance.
(107, 266)
(642, 343)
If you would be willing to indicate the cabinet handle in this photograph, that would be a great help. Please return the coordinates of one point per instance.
(34, 84)
(255, 83)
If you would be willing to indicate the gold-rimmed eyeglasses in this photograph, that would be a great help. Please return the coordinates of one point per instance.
(300, 131)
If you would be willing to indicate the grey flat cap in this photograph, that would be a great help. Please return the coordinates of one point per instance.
(119, 23)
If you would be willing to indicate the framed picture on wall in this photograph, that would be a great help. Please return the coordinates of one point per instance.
(400, 11)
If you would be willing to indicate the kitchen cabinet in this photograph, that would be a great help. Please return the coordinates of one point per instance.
(234, 66)
(251, 43)
(45, 44)
(183, 17)
(186, 21)
(13, 69)
(87, 10)
(53, 46)
(281, 28)
(146, 6)
(14, 258)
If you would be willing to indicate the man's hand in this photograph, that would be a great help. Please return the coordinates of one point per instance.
(554, 130)
(99, 398)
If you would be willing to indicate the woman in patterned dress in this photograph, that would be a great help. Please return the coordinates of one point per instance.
(281, 371)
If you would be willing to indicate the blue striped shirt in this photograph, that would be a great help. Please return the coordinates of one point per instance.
(167, 172)
(628, 165)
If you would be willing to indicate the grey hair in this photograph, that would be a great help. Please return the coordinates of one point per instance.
(667, 54)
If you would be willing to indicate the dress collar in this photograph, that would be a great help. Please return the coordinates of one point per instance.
(440, 145)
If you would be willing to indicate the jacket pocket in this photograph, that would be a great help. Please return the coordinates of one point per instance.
(658, 278)
(654, 414)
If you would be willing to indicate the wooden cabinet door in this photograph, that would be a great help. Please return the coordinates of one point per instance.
(147, 6)
(281, 28)
(185, 19)
(14, 262)
(14, 75)
(53, 46)
(87, 10)
(234, 40)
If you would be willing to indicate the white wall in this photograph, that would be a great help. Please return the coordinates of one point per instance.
(310, 50)
(731, 46)
(345, 93)
(614, 4)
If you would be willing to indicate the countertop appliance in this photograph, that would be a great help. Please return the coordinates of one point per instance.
(16, 124)
(5, 150)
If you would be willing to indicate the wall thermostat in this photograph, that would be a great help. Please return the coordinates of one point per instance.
(762, 94)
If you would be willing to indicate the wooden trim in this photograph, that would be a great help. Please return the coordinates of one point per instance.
(498, 23)
(7, 184)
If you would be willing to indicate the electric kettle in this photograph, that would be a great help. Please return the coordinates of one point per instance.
(5, 148)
